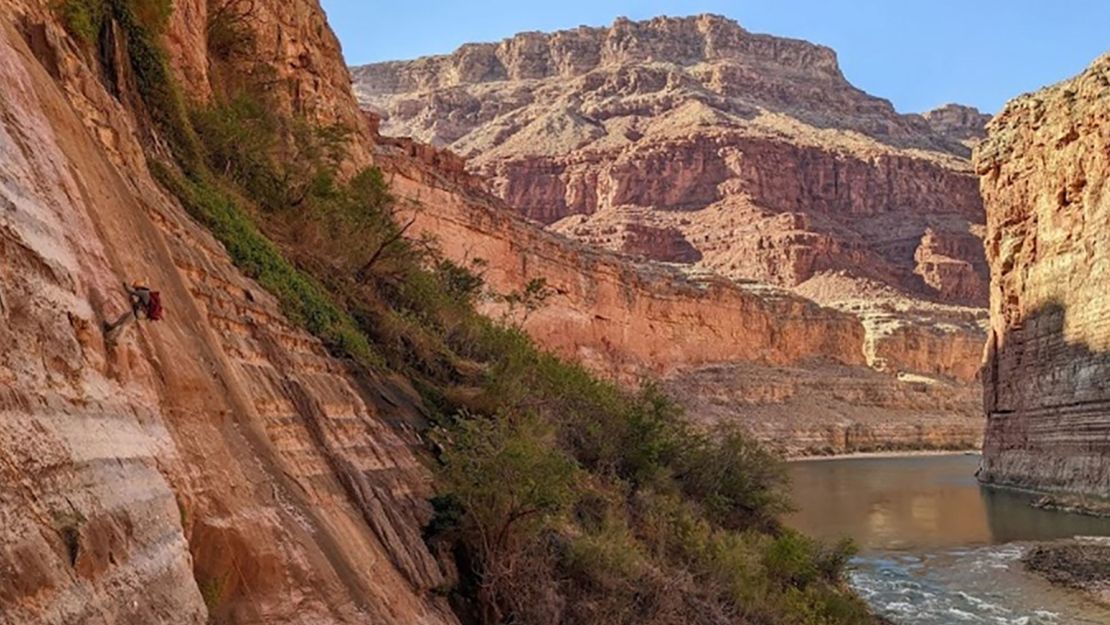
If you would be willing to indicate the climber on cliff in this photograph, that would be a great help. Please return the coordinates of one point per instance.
(145, 304)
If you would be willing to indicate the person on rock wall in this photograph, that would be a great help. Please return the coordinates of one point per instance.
(145, 304)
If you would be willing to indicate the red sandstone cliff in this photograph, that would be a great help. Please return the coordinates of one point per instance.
(695, 143)
(746, 154)
(219, 464)
(807, 378)
(1044, 169)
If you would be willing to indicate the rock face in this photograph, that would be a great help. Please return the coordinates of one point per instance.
(806, 378)
(301, 53)
(754, 149)
(217, 466)
(695, 143)
(956, 122)
(1044, 169)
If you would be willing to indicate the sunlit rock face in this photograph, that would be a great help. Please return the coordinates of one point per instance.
(1044, 170)
(753, 149)
(804, 377)
(692, 142)
(216, 466)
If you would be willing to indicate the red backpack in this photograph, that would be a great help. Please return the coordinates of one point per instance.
(154, 311)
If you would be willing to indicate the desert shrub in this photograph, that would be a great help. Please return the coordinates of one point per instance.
(302, 299)
(506, 475)
(152, 15)
(511, 484)
(239, 137)
(82, 18)
(608, 557)
(739, 482)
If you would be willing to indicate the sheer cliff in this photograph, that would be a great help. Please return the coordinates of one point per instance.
(1043, 174)
(693, 143)
(216, 465)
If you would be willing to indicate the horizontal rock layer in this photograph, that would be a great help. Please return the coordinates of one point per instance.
(915, 367)
(753, 153)
(1044, 169)
(692, 142)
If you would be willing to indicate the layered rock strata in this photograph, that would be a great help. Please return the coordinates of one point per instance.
(1044, 170)
(693, 143)
(796, 372)
(747, 154)
(217, 466)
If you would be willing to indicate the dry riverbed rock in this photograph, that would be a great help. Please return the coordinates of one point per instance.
(1082, 564)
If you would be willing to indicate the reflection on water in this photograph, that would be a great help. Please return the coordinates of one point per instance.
(935, 547)
(920, 502)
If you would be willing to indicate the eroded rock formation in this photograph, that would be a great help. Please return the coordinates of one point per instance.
(695, 143)
(805, 377)
(752, 148)
(1044, 170)
(218, 464)
(964, 124)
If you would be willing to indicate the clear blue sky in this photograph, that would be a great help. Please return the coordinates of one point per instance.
(917, 53)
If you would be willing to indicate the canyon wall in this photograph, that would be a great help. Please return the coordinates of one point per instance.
(1044, 170)
(752, 153)
(691, 147)
(806, 378)
(217, 466)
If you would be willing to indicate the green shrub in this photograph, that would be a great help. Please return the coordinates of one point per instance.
(506, 475)
(159, 92)
(82, 18)
(302, 299)
(792, 560)
(609, 559)
(738, 481)
(512, 485)
(239, 137)
(153, 15)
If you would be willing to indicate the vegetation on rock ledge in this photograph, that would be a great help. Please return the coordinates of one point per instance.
(565, 498)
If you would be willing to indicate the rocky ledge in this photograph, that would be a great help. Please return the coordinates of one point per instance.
(1082, 564)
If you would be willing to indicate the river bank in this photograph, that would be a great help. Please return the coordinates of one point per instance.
(935, 546)
(904, 453)
(1081, 564)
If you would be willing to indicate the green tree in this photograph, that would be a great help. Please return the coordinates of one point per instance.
(511, 482)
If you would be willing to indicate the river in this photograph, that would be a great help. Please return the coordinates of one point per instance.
(936, 548)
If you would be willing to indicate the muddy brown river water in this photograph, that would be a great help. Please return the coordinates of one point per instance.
(936, 548)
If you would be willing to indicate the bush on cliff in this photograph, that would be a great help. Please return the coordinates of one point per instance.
(566, 498)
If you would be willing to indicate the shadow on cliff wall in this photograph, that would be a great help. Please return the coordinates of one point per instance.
(1034, 376)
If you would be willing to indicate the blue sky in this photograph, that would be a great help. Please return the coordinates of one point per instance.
(917, 53)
